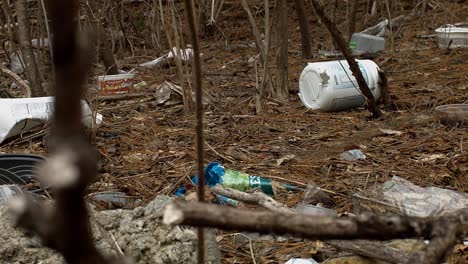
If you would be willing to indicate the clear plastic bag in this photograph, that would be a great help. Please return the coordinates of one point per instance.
(401, 196)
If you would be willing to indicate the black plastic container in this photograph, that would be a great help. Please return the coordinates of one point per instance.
(19, 169)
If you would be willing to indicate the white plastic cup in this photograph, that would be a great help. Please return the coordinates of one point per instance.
(118, 83)
(331, 86)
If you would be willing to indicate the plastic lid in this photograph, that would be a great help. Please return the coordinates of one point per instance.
(310, 88)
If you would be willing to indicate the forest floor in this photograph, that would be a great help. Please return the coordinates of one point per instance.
(148, 149)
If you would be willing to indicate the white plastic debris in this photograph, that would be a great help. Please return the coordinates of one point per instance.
(21, 115)
(301, 261)
(185, 55)
(351, 155)
(43, 43)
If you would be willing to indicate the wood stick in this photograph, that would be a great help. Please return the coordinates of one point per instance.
(371, 249)
(354, 67)
(20, 82)
(312, 227)
(257, 197)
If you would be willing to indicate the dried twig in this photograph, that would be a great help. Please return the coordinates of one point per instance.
(20, 82)
(189, 11)
(367, 226)
(257, 197)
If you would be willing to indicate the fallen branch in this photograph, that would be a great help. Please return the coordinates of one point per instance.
(257, 197)
(367, 226)
(353, 66)
(359, 247)
(20, 82)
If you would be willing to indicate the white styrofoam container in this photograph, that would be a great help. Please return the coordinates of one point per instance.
(450, 36)
(331, 86)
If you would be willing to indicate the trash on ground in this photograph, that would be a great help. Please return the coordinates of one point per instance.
(215, 173)
(352, 155)
(185, 55)
(364, 43)
(308, 209)
(331, 86)
(7, 192)
(382, 27)
(390, 132)
(114, 199)
(301, 261)
(453, 114)
(169, 94)
(140, 85)
(451, 36)
(21, 115)
(118, 83)
(401, 196)
(315, 195)
(42, 43)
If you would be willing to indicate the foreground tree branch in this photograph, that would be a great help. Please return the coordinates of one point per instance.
(64, 225)
(341, 42)
(366, 226)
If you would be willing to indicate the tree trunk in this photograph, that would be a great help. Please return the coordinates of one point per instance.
(304, 27)
(352, 18)
(105, 52)
(282, 61)
(27, 53)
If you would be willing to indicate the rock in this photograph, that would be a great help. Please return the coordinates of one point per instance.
(139, 233)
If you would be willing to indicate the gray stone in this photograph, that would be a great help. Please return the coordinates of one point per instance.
(139, 233)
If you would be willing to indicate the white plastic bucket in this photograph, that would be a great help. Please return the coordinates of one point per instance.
(331, 86)
(452, 36)
(118, 83)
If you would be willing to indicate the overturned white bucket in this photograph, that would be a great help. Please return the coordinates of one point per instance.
(331, 86)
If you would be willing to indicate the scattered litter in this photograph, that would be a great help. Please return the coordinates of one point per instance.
(185, 54)
(21, 115)
(453, 114)
(169, 94)
(364, 43)
(308, 209)
(215, 173)
(401, 196)
(381, 28)
(315, 195)
(114, 199)
(7, 192)
(43, 43)
(117, 84)
(450, 36)
(331, 86)
(430, 158)
(20, 170)
(285, 158)
(390, 132)
(140, 85)
(301, 261)
(352, 155)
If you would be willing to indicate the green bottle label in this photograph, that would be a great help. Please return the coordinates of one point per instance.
(352, 45)
(263, 184)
